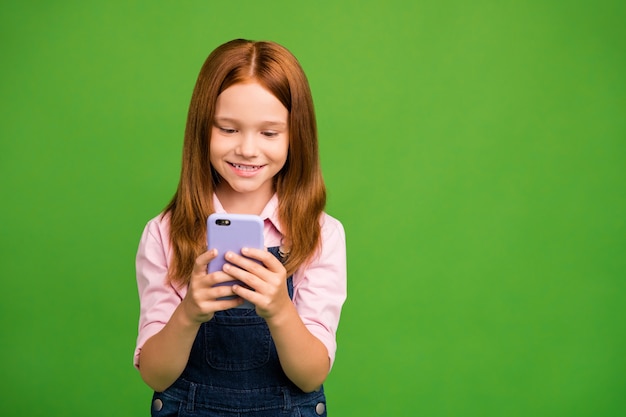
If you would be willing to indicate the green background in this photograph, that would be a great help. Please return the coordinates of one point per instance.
(475, 152)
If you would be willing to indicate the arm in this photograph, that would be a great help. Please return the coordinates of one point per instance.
(303, 357)
(303, 330)
(164, 355)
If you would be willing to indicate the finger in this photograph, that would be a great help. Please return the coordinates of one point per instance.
(200, 265)
(247, 294)
(207, 296)
(215, 285)
(225, 302)
(250, 262)
(247, 278)
(265, 257)
(221, 290)
(220, 277)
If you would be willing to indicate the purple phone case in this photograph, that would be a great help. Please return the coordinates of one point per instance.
(231, 232)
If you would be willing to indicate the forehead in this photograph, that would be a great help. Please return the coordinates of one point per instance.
(250, 102)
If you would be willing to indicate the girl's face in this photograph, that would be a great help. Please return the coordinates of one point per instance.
(249, 143)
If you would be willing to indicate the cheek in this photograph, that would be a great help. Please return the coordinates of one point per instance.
(216, 154)
(281, 150)
(216, 147)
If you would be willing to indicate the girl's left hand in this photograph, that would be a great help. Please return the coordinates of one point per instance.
(268, 280)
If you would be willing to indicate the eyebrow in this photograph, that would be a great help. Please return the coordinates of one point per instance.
(273, 123)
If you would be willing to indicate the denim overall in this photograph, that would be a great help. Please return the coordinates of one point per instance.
(233, 370)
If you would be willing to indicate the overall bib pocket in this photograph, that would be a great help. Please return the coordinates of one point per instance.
(237, 340)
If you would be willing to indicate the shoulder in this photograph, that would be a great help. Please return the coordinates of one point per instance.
(155, 240)
(158, 226)
(331, 227)
(328, 222)
(160, 222)
(332, 248)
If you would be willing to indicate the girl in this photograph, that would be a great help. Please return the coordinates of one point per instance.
(250, 147)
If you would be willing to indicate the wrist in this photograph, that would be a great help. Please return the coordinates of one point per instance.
(185, 318)
(283, 316)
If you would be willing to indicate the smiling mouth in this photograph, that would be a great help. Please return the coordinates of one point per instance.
(249, 168)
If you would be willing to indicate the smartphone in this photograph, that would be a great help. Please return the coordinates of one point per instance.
(231, 232)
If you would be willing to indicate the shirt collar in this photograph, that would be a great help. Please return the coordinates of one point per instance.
(270, 211)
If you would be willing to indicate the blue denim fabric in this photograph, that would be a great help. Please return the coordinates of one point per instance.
(233, 370)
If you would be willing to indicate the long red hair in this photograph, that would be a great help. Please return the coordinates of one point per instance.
(299, 185)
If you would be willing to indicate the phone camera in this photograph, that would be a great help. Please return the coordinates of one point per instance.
(222, 222)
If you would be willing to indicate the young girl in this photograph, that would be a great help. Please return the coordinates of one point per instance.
(250, 147)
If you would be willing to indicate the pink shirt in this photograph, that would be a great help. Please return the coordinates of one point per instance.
(319, 287)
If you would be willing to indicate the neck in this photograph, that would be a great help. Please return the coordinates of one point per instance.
(243, 203)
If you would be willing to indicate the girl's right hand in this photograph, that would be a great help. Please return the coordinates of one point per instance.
(201, 301)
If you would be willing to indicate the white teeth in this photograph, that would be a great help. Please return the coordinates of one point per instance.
(245, 167)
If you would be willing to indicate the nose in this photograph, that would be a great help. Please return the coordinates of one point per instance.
(247, 146)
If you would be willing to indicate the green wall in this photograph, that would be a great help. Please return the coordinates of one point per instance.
(475, 152)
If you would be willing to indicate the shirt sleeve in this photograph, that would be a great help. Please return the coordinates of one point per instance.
(320, 288)
(157, 298)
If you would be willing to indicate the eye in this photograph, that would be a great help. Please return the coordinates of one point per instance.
(269, 133)
(227, 130)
